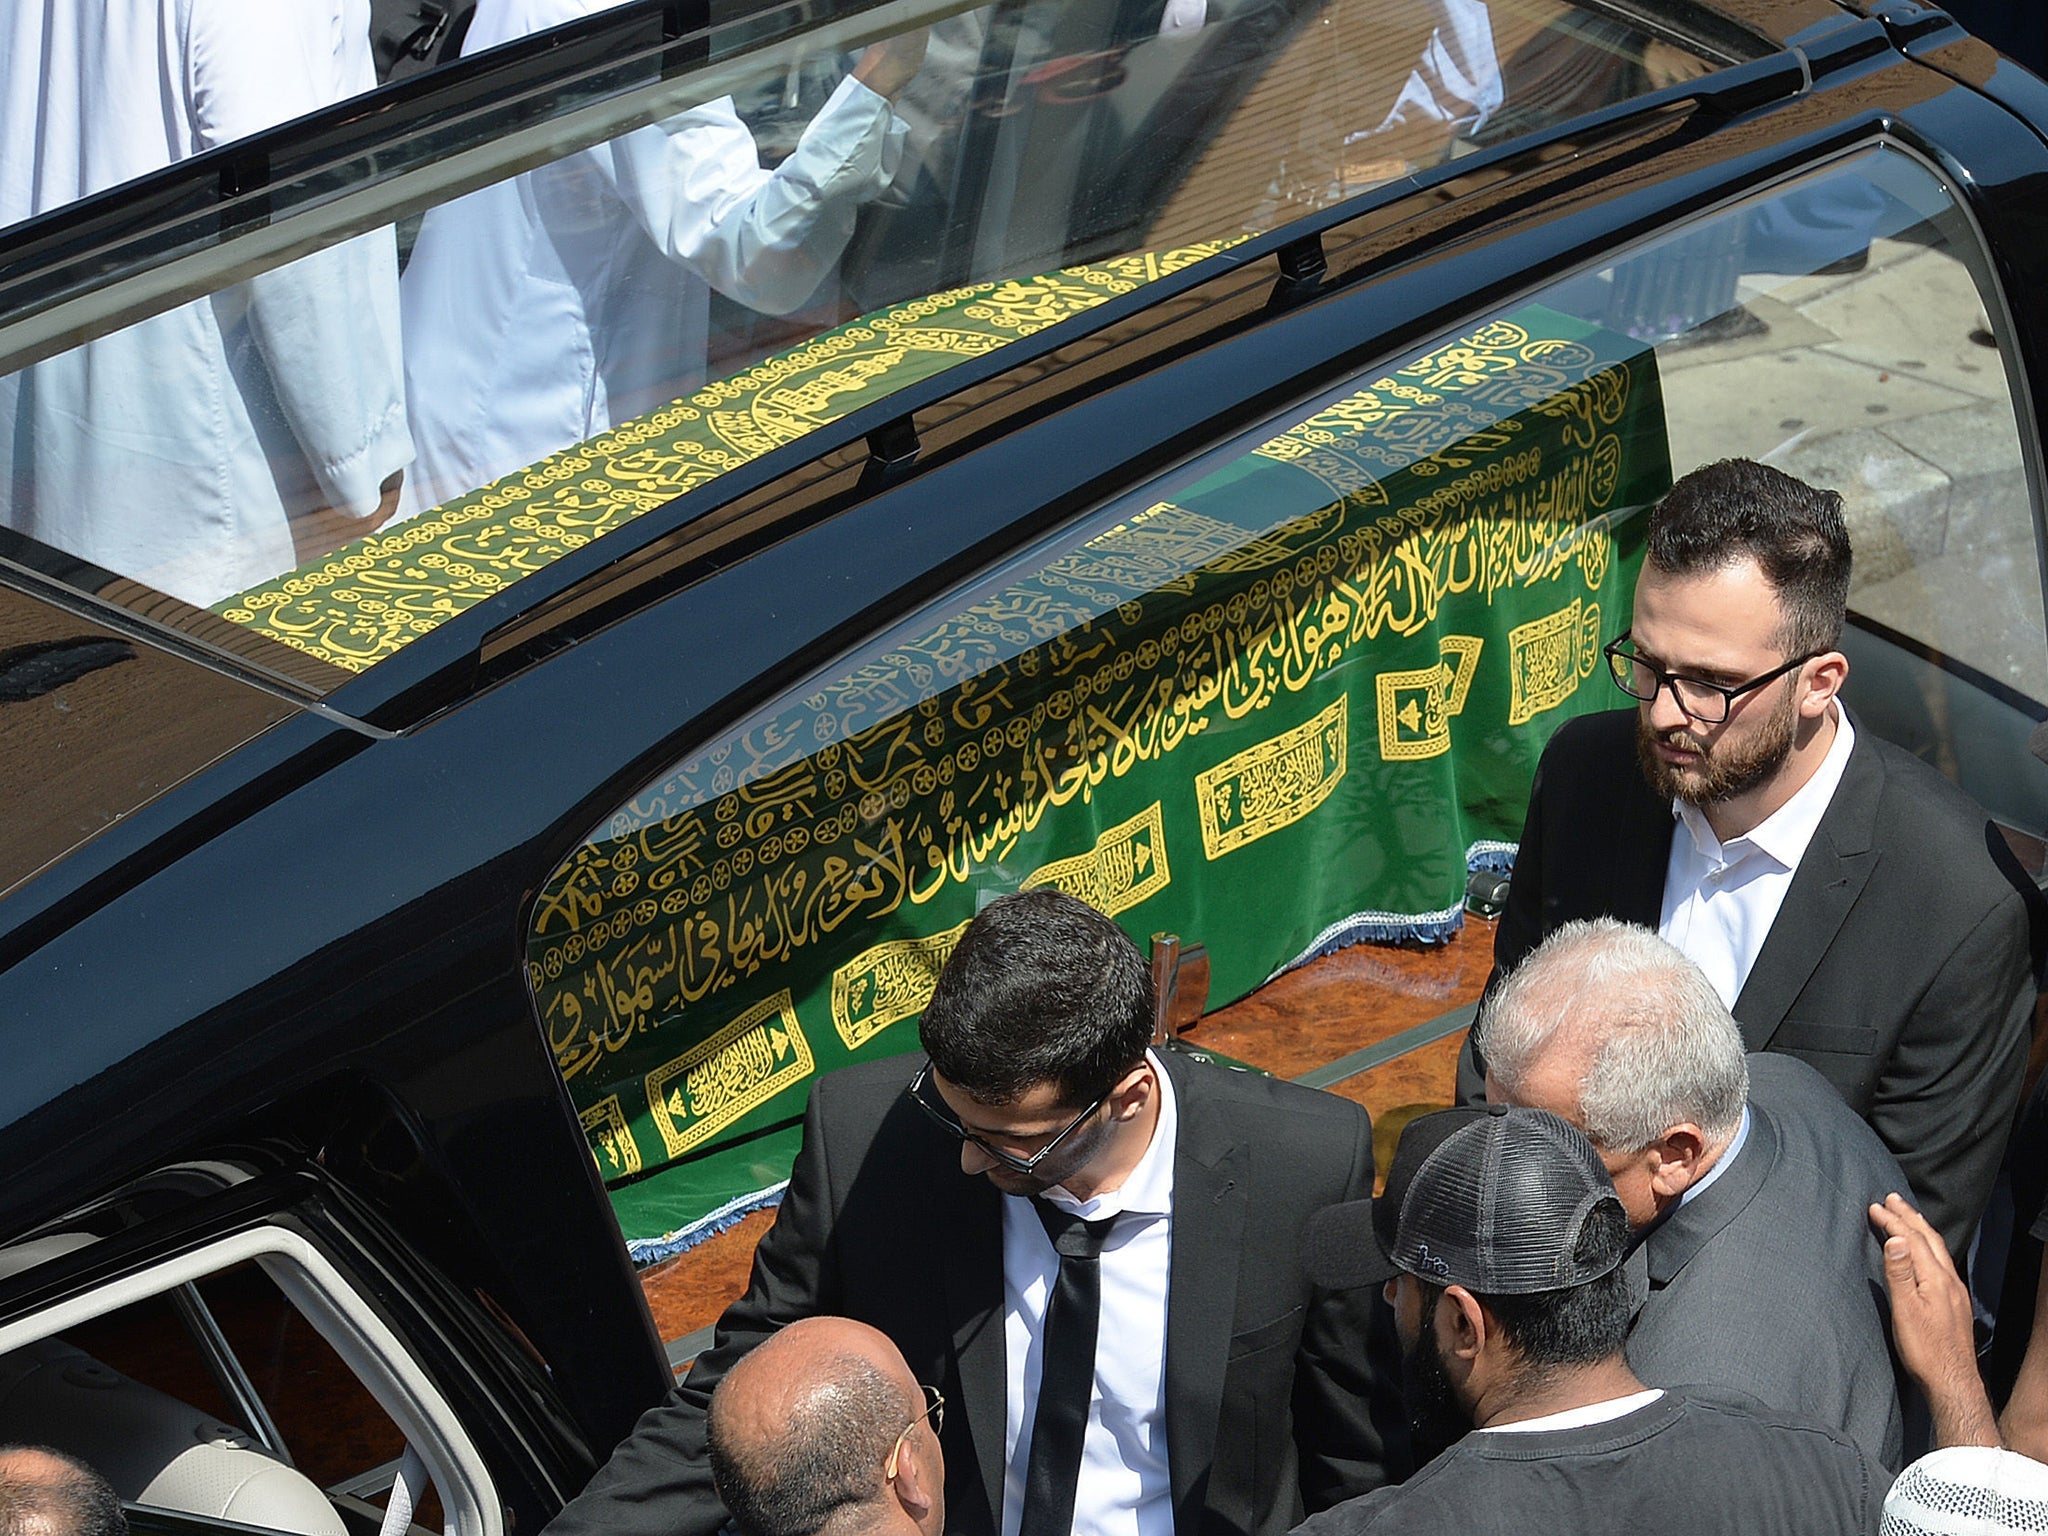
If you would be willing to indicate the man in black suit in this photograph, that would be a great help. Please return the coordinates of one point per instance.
(1854, 908)
(951, 1203)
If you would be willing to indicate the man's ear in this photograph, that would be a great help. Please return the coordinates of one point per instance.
(1676, 1159)
(1822, 680)
(1132, 1092)
(1461, 1323)
(915, 1483)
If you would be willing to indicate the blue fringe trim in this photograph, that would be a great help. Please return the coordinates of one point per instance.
(1499, 858)
(652, 1250)
(1405, 927)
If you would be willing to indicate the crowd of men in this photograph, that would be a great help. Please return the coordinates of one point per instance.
(1691, 1250)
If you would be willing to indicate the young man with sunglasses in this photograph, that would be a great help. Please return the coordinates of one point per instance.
(1851, 906)
(1090, 1247)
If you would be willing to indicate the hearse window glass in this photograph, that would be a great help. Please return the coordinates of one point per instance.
(212, 1396)
(316, 466)
(1843, 330)
(1279, 702)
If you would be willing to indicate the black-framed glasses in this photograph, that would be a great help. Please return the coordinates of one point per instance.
(926, 1098)
(934, 1409)
(1708, 703)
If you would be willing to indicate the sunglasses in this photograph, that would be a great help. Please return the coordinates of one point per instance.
(926, 1097)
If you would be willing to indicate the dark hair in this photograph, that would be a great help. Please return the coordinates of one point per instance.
(1584, 1324)
(77, 1502)
(1042, 988)
(1794, 531)
(826, 1454)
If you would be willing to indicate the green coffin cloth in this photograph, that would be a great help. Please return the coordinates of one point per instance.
(1282, 707)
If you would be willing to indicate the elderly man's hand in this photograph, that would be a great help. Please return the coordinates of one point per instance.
(1932, 1324)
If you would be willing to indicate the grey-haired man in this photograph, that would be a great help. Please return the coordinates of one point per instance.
(1500, 1241)
(1747, 1178)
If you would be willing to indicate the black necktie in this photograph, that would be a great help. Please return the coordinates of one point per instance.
(1067, 1380)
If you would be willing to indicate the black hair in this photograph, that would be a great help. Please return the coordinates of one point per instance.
(826, 1454)
(1583, 1324)
(1042, 988)
(1795, 532)
(76, 1502)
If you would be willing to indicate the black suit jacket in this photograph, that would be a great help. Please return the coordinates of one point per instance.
(1270, 1400)
(1898, 966)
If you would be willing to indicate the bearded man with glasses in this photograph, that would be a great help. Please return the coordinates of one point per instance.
(1090, 1247)
(1851, 906)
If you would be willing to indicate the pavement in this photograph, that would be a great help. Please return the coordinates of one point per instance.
(1870, 382)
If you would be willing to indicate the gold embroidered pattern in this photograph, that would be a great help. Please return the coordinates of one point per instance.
(1548, 657)
(1273, 784)
(888, 983)
(738, 1069)
(611, 1139)
(373, 597)
(1416, 707)
(1126, 865)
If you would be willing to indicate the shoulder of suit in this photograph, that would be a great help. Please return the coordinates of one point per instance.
(1810, 1117)
(1603, 734)
(865, 1086)
(1205, 1078)
(1918, 794)
(1926, 823)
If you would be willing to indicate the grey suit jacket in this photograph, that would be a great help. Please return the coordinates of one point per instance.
(1771, 1281)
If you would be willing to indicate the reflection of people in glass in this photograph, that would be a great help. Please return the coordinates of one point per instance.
(213, 446)
(542, 309)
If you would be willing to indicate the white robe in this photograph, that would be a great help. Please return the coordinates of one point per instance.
(546, 307)
(176, 450)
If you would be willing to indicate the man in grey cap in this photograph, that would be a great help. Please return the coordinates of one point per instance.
(1499, 1239)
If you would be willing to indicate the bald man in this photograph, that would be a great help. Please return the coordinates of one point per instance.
(46, 1493)
(823, 1428)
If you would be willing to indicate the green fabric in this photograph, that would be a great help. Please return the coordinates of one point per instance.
(1325, 667)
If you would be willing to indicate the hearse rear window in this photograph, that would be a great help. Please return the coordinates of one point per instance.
(382, 434)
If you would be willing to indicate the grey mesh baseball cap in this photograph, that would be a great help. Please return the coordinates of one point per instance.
(1489, 1197)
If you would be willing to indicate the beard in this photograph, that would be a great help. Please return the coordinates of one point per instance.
(1722, 773)
(1436, 1419)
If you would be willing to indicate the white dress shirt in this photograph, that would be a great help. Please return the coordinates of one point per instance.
(1123, 1488)
(1720, 901)
(543, 309)
(177, 449)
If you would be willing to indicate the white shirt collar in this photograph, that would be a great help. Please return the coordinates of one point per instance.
(1720, 1163)
(1783, 835)
(1149, 1189)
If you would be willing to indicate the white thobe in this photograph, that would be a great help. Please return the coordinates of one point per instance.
(176, 450)
(544, 308)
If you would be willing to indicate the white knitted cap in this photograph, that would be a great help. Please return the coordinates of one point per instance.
(1968, 1490)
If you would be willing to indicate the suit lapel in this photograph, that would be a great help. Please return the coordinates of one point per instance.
(1201, 1291)
(1673, 1242)
(971, 1221)
(1830, 877)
